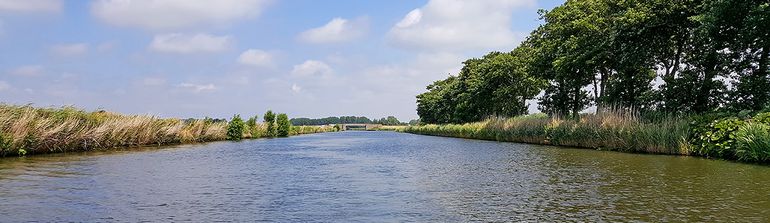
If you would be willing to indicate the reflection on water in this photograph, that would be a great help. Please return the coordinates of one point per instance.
(378, 176)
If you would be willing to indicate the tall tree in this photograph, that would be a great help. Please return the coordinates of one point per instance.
(269, 120)
(284, 126)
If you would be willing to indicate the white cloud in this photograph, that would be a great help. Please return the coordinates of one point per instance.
(459, 25)
(296, 88)
(198, 87)
(185, 43)
(74, 49)
(255, 57)
(174, 14)
(28, 70)
(4, 85)
(30, 5)
(312, 68)
(337, 30)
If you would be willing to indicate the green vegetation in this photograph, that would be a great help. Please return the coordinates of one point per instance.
(691, 71)
(253, 130)
(235, 128)
(270, 130)
(29, 130)
(616, 130)
(284, 126)
(390, 120)
(25, 129)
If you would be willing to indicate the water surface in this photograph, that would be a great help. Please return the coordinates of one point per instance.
(378, 177)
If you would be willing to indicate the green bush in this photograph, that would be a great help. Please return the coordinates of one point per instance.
(752, 142)
(763, 118)
(718, 138)
(235, 128)
(284, 126)
(270, 124)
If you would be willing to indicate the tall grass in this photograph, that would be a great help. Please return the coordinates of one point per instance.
(610, 130)
(25, 129)
(309, 129)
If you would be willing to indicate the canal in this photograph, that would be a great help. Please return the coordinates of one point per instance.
(378, 177)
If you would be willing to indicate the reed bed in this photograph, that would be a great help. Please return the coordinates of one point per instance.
(25, 129)
(310, 129)
(611, 130)
(394, 128)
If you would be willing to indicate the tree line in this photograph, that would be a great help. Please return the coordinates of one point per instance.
(390, 120)
(683, 57)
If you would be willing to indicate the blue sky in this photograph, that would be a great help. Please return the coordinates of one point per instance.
(307, 58)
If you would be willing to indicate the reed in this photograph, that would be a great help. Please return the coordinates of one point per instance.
(25, 129)
(610, 130)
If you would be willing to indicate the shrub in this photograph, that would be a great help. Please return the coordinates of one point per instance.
(752, 142)
(270, 123)
(763, 118)
(235, 128)
(284, 126)
(717, 139)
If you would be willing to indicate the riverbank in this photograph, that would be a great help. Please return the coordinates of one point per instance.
(28, 130)
(724, 138)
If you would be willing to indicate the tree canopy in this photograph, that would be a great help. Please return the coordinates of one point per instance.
(649, 55)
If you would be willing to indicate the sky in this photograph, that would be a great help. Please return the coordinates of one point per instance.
(306, 58)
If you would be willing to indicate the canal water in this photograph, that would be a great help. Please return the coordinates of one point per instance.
(378, 177)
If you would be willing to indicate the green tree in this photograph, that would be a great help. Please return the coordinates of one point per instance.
(284, 126)
(269, 120)
(252, 128)
(235, 128)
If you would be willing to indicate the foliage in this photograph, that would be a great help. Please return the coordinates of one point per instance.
(235, 128)
(718, 138)
(252, 129)
(752, 142)
(612, 130)
(284, 126)
(497, 84)
(763, 118)
(269, 120)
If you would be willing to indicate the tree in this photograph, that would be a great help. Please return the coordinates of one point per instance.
(269, 120)
(235, 128)
(252, 128)
(284, 126)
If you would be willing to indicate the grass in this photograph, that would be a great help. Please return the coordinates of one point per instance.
(30, 130)
(390, 128)
(612, 130)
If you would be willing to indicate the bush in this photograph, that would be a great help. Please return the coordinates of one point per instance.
(235, 128)
(718, 138)
(752, 142)
(763, 118)
(270, 123)
(284, 126)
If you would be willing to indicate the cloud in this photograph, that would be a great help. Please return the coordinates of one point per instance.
(198, 87)
(28, 70)
(337, 30)
(296, 88)
(174, 14)
(185, 43)
(311, 68)
(255, 57)
(74, 49)
(23, 6)
(4, 86)
(459, 25)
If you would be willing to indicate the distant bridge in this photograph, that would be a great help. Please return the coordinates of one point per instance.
(362, 127)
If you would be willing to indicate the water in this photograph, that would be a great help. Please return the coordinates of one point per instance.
(378, 177)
